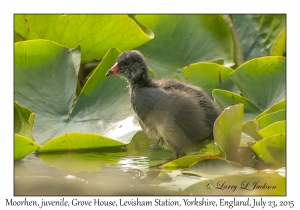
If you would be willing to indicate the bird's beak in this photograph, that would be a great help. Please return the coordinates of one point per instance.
(113, 70)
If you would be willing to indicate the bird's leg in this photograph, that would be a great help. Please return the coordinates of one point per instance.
(178, 152)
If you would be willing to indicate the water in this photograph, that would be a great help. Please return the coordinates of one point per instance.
(99, 172)
(134, 170)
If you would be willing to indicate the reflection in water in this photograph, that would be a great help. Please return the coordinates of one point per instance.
(134, 171)
(89, 173)
(133, 163)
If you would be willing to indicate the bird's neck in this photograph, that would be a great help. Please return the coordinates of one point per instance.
(144, 80)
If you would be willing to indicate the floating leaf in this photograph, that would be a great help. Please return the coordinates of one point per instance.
(271, 149)
(181, 40)
(23, 146)
(165, 176)
(228, 130)
(226, 98)
(76, 141)
(257, 33)
(96, 34)
(266, 125)
(219, 61)
(45, 82)
(250, 128)
(23, 140)
(273, 129)
(271, 118)
(213, 166)
(279, 46)
(23, 121)
(276, 107)
(238, 51)
(183, 162)
(208, 76)
(262, 80)
(268, 117)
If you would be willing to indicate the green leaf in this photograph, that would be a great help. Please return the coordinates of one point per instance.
(273, 129)
(23, 146)
(96, 34)
(23, 140)
(262, 80)
(212, 166)
(276, 107)
(238, 51)
(228, 130)
(271, 118)
(181, 40)
(279, 46)
(226, 98)
(208, 76)
(271, 149)
(250, 128)
(18, 38)
(143, 27)
(183, 162)
(219, 61)
(167, 176)
(268, 117)
(23, 120)
(45, 82)
(104, 106)
(263, 127)
(77, 141)
(204, 149)
(257, 33)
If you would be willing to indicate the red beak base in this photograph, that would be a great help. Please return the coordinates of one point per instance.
(113, 70)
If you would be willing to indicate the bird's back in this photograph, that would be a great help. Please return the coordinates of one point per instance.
(173, 113)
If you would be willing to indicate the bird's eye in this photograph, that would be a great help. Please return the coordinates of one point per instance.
(126, 62)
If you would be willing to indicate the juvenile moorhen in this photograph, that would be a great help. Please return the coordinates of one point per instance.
(171, 113)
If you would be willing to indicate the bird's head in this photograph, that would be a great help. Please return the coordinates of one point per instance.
(131, 65)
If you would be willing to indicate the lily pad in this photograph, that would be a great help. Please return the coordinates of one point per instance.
(204, 149)
(183, 162)
(213, 166)
(257, 33)
(262, 80)
(238, 51)
(263, 127)
(208, 76)
(224, 99)
(273, 129)
(279, 47)
(23, 140)
(23, 121)
(45, 82)
(228, 130)
(77, 141)
(23, 146)
(181, 40)
(167, 176)
(271, 149)
(275, 113)
(250, 128)
(271, 118)
(276, 107)
(219, 61)
(96, 34)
